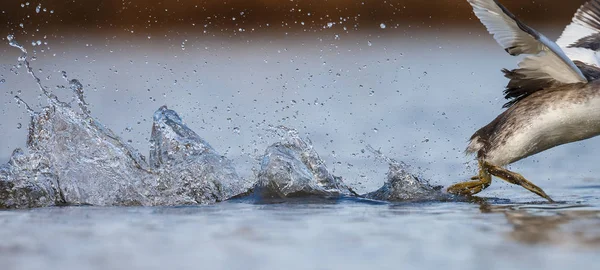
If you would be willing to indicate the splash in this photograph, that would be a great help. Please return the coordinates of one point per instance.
(77, 89)
(71, 158)
(188, 164)
(293, 168)
(401, 185)
(27, 182)
(23, 61)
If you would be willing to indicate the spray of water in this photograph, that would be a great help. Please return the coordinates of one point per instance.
(23, 59)
(74, 159)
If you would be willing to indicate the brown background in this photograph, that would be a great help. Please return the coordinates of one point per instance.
(142, 15)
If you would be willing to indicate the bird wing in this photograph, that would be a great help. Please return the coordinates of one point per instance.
(581, 39)
(546, 63)
(584, 30)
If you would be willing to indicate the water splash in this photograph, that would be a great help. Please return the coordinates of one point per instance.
(401, 185)
(23, 59)
(27, 182)
(21, 101)
(293, 168)
(71, 158)
(92, 164)
(188, 164)
(77, 89)
(74, 159)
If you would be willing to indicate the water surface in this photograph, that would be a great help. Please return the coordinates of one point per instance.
(300, 235)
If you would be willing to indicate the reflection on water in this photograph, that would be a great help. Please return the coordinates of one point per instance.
(331, 234)
(562, 225)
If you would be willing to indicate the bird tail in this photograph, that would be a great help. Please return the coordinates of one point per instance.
(475, 146)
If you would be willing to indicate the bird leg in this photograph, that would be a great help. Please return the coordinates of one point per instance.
(478, 183)
(514, 178)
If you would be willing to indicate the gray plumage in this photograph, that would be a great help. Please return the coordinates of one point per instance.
(544, 118)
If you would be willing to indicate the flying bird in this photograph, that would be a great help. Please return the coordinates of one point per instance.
(553, 95)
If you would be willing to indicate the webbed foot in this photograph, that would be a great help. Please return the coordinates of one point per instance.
(476, 185)
(515, 178)
(484, 180)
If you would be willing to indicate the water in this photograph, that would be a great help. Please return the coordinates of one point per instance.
(72, 159)
(346, 96)
(293, 168)
(347, 234)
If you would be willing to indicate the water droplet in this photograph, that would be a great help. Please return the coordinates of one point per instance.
(75, 85)
(369, 43)
(236, 130)
(2, 80)
(19, 125)
(382, 26)
(375, 130)
(38, 9)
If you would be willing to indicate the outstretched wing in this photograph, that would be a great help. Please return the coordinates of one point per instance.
(581, 39)
(546, 64)
(584, 30)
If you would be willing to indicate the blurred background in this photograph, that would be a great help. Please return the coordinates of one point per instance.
(262, 15)
(412, 78)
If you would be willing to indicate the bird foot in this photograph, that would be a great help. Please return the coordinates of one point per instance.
(476, 185)
(516, 179)
(484, 180)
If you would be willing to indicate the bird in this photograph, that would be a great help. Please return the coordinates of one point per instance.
(553, 95)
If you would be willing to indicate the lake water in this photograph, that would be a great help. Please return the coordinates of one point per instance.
(416, 96)
(301, 235)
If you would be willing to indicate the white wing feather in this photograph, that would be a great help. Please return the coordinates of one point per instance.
(584, 55)
(574, 32)
(547, 59)
(586, 22)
